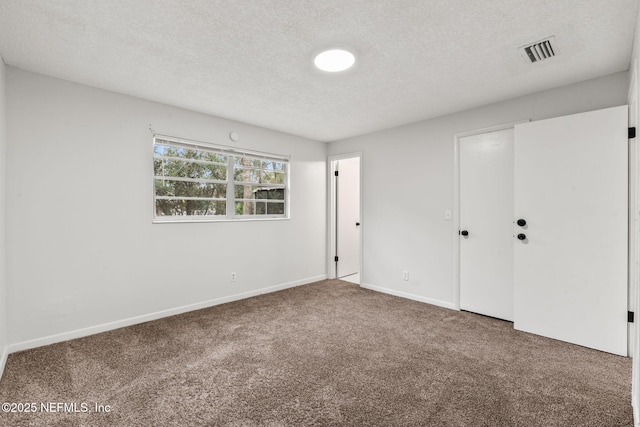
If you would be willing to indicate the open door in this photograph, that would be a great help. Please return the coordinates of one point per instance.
(348, 219)
(570, 254)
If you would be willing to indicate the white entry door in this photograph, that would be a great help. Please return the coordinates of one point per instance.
(486, 223)
(348, 217)
(570, 269)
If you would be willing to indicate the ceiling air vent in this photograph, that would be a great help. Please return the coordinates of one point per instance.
(539, 51)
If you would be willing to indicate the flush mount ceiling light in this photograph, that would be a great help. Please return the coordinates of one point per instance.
(334, 60)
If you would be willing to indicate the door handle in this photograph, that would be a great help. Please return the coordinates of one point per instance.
(521, 222)
(522, 236)
(357, 224)
(464, 233)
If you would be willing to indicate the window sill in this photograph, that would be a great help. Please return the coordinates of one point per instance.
(183, 221)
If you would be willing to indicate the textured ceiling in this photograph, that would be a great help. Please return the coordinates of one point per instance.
(252, 60)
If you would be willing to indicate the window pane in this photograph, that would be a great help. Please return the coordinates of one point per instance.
(258, 192)
(259, 163)
(182, 207)
(166, 187)
(243, 191)
(272, 177)
(261, 208)
(247, 161)
(179, 168)
(189, 163)
(258, 176)
(273, 166)
(275, 208)
(246, 207)
(270, 193)
(189, 153)
(246, 175)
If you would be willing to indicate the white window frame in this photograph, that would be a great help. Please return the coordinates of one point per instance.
(232, 153)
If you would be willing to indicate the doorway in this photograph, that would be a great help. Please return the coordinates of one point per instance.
(345, 196)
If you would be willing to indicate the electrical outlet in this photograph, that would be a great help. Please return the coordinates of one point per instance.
(405, 276)
(233, 276)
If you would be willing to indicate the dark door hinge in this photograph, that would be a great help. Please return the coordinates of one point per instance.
(632, 132)
(630, 316)
(336, 173)
(335, 259)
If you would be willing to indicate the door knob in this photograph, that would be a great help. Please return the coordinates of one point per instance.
(465, 233)
(521, 222)
(522, 236)
(357, 224)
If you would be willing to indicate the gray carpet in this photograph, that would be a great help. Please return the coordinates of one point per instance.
(329, 353)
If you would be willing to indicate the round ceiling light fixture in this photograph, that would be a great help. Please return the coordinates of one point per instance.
(334, 60)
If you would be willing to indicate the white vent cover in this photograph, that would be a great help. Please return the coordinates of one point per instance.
(540, 50)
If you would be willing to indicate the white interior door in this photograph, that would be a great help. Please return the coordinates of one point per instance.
(348, 217)
(570, 273)
(486, 214)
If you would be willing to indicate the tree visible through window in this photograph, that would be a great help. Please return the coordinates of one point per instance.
(195, 181)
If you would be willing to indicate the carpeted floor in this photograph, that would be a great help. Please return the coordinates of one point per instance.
(329, 353)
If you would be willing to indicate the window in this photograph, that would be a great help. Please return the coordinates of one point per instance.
(195, 181)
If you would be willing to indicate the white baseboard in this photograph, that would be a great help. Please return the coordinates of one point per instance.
(413, 297)
(3, 360)
(79, 333)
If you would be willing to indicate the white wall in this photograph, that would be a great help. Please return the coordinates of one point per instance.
(408, 184)
(82, 251)
(3, 276)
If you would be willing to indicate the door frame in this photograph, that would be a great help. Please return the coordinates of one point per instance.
(634, 168)
(634, 244)
(332, 206)
(456, 200)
